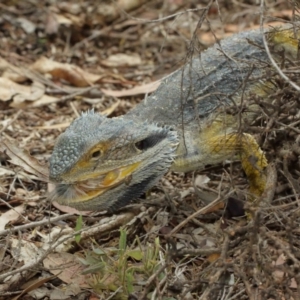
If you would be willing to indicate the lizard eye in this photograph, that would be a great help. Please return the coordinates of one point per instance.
(140, 145)
(96, 154)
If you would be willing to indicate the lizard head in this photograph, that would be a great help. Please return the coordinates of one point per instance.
(101, 164)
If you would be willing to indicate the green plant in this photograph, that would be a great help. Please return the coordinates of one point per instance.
(123, 269)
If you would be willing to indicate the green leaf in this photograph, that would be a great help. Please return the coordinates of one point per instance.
(123, 241)
(95, 268)
(135, 254)
(129, 282)
(98, 251)
(78, 227)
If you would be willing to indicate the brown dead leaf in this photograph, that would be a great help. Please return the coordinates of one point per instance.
(11, 72)
(70, 73)
(54, 126)
(208, 38)
(278, 275)
(213, 257)
(106, 112)
(44, 100)
(128, 5)
(61, 19)
(51, 25)
(141, 89)
(122, 60)
(284, 14)
(37, 90)
(201, 181)
(23, 95)
(70, 210)
(67, 268)
(10, 215)
(23, 159)
(215, 208)
(8, 89)
(28, 26)
(111, 109)
(24, 251)
(34, 285)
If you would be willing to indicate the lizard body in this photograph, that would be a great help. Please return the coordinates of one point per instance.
(187, 123)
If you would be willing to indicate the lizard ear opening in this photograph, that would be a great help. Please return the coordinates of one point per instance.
(149, 142)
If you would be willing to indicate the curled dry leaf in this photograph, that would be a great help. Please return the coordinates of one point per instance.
(70, 210)
(70, 7)
(11, 72)
(23, 95)
(28, 26)
(8, 89)
(201, 180)
(122, 60)
(279, 275)
(37, 90)
(44, 100)
(70, 73)
(67, 268)
(51, 25)
(108, 12)
(23, 250)
(57, 234)
(111, 109)
(10, 215)
(23, 159)
(128, 5)
(35, 284)
(141, 89)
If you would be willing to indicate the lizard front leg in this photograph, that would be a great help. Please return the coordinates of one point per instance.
(252, 157)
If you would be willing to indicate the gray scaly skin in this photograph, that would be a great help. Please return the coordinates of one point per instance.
(102, 164)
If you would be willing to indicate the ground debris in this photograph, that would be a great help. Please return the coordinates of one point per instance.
(67, 57)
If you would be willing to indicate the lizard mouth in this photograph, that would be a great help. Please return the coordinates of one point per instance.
(83, 191)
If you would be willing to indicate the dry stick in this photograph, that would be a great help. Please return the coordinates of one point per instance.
(273, 62)
(35, 224)
(113, 221)
(289, 126)
(280, 245)
(43, 255)
(269, 192)
(114, 293)
(77, 114)
(292, 182)
(242, 275)
(213, 279)
(157, 289)
(83, 232)
(197, 252)
(237, 295)
(40, 258)
(200, 212)
(150, 280)
(11, 121)
(145, 21)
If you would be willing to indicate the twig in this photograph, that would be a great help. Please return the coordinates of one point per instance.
(273, 62)
(150, 281)
(35, 224)
(200, 212)
(145, 21)
(196, 252)
(11, 121)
